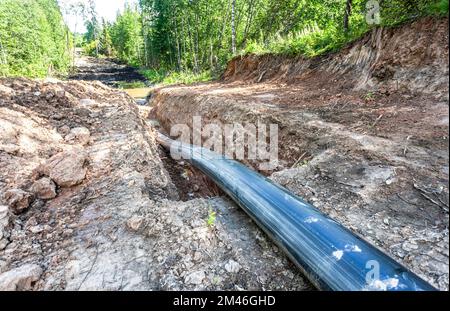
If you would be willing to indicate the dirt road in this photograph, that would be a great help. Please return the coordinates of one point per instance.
(107, 71)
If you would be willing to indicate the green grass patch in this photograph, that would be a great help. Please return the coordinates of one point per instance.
(163, 77)
(131, 85)
(310, 42)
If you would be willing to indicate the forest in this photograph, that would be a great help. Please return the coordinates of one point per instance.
(34, 41)
(190, 39)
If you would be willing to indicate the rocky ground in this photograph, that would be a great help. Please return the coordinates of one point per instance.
(363, 133)
(87, 203)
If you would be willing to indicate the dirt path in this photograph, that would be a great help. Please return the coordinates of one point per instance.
(107, 71)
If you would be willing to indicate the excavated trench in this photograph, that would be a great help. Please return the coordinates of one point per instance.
(363, 133)
(363, 137)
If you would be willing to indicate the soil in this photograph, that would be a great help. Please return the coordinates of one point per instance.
(369, 124)
(109, 71)
(125, 226)
(373, 147)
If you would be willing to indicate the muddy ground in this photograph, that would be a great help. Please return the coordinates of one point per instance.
(109, 71)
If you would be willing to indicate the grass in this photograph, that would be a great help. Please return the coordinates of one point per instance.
(212, 217)
(163, 77)
(310, 42)
(439, 8)
(313, 41)
(131, 85)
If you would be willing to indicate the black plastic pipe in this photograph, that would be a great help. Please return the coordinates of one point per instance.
(328, 254)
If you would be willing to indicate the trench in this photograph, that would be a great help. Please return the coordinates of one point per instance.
(190, 182)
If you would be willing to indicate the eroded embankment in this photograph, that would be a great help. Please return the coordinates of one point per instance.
(86, 203)
(366, 128)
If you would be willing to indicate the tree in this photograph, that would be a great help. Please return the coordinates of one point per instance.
(105, 42)
(33, 38)
(348, 12)
(93, 27)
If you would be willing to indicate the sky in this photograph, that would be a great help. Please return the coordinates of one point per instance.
(105, 8)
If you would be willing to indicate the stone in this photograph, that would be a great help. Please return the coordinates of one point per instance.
(88, 102)
(410, 246)
(10, 148)
(232, 266)
(18, 200)
(66, 168)
(135, 222)
(44, 189)
(78, 135)
(21, 278)
(64, 130)
(195, 278)
(4, 221)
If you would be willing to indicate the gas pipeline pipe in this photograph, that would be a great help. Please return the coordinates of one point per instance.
(328, 254)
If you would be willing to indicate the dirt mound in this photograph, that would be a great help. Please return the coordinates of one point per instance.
(412, 57)
(87, 204)
(373, 158)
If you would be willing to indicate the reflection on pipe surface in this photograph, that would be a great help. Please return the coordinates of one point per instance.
(329, 255)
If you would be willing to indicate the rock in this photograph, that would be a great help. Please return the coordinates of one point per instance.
(10, 148)
(195, 278)
(21, 278)
(232, 266)
(135, 222)
(18, 200)
(64, 130)
(44, 189)
(66, 168)
(4, 218)
(78, 135)
(88, 102)
(6, 91)
(4, 221)
(3, 244)
(410, 246)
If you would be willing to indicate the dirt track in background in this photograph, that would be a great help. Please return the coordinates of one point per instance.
(107, 71)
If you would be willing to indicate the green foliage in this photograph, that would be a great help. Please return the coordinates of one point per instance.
(212, 217)
(34, 40)
(439, 8)
(196, 36)
(396, 12)
(126, 36)
(91, 48)
(173, 77)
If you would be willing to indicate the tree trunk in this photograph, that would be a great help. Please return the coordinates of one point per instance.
(233, 27)
(347, 14)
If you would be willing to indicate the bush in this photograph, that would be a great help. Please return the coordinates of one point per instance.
(164, 77)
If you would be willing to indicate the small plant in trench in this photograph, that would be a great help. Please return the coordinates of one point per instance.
(369, 96)
(212, 217)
